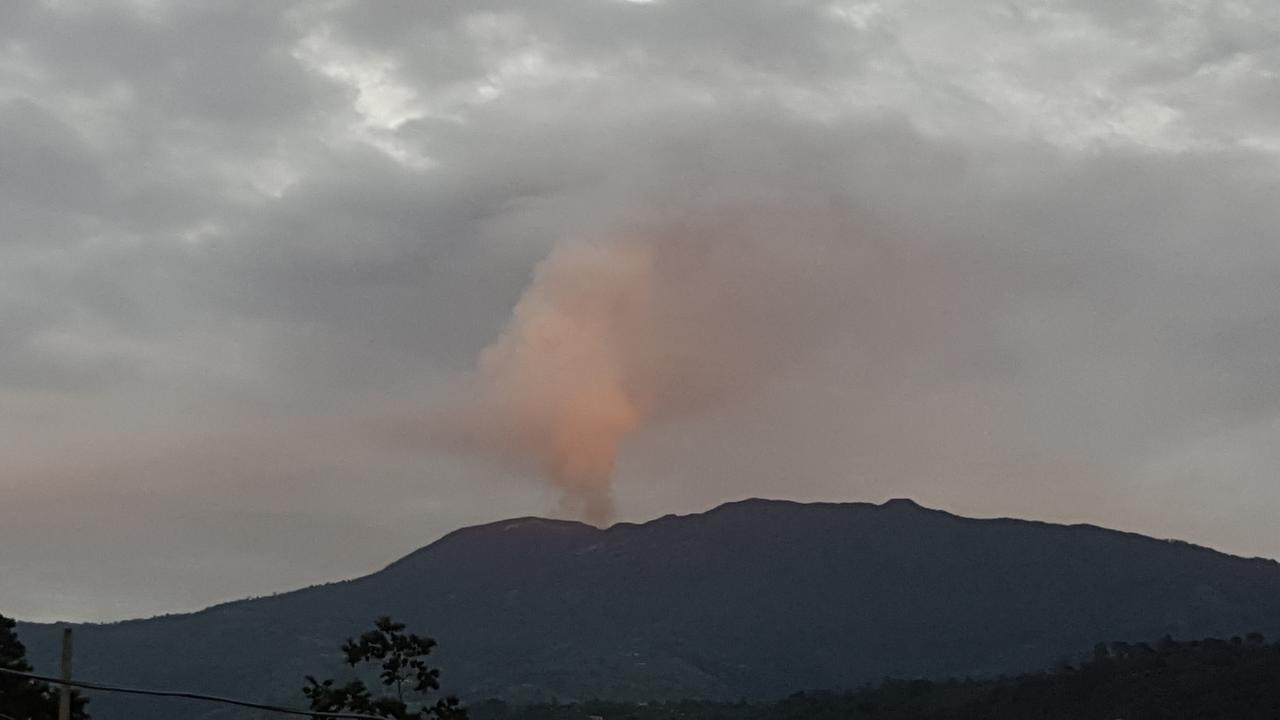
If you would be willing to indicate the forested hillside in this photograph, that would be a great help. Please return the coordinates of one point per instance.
(1237, 679)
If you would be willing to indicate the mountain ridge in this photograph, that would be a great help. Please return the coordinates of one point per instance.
(839, 593)
(888, 504)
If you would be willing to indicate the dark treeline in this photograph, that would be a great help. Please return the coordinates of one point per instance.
(1236, 679)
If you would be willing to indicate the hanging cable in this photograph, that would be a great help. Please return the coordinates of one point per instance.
(189, 696)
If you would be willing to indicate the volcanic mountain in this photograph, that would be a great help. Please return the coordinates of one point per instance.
(754, 599)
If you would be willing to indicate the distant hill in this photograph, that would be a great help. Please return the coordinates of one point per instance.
(754, 599)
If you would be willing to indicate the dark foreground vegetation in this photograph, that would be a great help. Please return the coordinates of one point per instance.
(20, 697)
(1236, 679)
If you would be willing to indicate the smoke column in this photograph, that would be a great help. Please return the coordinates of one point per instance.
(554, 386)
(639, 327)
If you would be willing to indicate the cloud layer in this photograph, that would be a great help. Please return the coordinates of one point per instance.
(1005, 258)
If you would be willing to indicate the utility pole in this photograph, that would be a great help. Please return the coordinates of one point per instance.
(64, 697)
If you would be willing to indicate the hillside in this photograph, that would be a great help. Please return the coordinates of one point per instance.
(1211, 679)
(753, 599)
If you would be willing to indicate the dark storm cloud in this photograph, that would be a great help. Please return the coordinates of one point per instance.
(1006, 258)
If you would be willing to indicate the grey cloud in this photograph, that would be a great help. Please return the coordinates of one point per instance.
(452, 42)
(199, 64)
(1012, 281)
(50, 178)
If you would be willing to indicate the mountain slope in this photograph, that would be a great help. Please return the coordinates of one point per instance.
(751, 599)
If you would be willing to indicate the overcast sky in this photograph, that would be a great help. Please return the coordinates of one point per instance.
(1006, 258)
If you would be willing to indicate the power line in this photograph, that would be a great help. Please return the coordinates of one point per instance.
(189, 696)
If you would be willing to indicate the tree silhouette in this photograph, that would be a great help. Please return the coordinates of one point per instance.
(22, 698)
(403, 668)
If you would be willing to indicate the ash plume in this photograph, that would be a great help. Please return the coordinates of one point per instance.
(645, 325)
